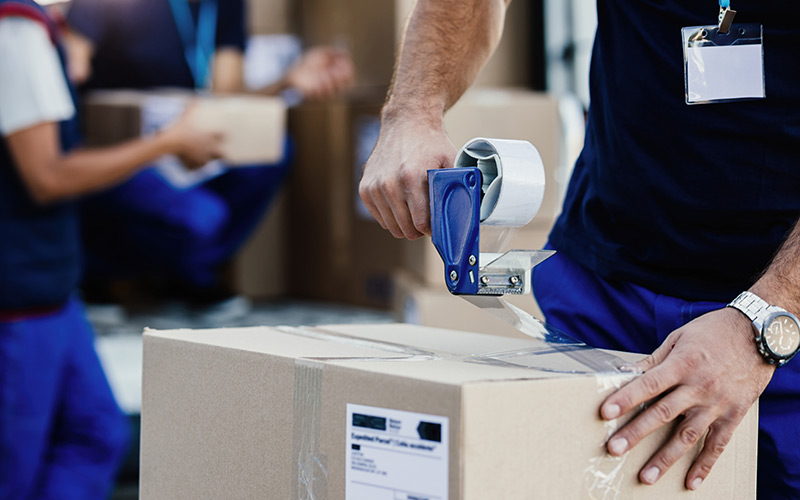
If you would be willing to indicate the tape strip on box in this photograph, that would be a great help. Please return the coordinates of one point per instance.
(310, 465)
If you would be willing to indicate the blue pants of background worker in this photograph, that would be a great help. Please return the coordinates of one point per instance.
(626, 317)
(148, 226)
(62, 435)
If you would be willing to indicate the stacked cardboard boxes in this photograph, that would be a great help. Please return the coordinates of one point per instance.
(384, 412)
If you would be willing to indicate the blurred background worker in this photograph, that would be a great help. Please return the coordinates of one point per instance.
(181, 237)
(62, 434)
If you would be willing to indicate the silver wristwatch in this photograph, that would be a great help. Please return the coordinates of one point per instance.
(777, 330)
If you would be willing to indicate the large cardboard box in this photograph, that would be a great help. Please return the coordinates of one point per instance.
(394, 411)
(254, 126)
(371, 31)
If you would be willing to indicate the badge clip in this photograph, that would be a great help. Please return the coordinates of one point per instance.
(726, 16)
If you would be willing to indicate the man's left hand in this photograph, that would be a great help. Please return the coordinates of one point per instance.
(705, 376)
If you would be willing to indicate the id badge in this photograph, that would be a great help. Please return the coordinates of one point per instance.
(723, 67)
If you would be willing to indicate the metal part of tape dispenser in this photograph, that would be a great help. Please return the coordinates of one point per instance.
(498, 183)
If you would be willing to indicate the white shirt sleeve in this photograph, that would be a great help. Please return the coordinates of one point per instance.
(33, 88)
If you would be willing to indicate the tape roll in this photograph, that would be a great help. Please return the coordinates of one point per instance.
(513, 179)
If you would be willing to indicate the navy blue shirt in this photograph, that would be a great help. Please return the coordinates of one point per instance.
(689, 201)
(39, 245)
(138, 45)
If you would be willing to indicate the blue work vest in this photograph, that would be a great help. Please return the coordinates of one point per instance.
(39, 245)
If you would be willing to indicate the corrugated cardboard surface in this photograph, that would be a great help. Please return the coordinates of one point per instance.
(254, 126)
(230, 413)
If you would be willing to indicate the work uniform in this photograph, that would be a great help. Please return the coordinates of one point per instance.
(62, 435)
(147, 224)
(672, 209)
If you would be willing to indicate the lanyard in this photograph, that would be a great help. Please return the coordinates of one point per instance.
(724, 4)
(197, 39)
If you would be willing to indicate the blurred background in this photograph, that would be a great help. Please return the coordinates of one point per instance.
(307, 251)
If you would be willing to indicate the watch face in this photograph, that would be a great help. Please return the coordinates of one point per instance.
(782, 335)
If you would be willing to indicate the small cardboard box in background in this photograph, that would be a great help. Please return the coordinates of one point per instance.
(336, 254)
(367, 412)
(270, 17)
(254, 126)
(259, 269)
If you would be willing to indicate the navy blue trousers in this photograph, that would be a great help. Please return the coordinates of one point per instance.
(62, 435)
(146, 225)
(626, 317)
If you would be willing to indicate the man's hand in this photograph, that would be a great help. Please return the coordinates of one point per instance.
(394, 187)
(322, 72)
(194, 146)
(705, 376)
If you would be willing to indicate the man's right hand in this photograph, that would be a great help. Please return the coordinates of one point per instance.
(394, 186)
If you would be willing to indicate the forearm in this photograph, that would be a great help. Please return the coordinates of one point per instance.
(51, 176)
(780, 283)
(86, 170)
(444, 47)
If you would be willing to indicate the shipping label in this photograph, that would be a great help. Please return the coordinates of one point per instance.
(396, 455)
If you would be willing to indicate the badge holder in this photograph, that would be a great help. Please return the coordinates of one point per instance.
(723, 63)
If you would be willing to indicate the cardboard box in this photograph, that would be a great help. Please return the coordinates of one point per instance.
(373, 412)
(269, 17)
(371, 31)
(419, 303)
(259, 269)
(340, 255)
(254, 126)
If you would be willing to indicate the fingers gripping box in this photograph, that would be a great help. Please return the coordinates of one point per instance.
(386, 412)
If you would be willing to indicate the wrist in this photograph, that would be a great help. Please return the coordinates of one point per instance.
(778, 291)
(397, 112)
(167, 141)
(776, 332)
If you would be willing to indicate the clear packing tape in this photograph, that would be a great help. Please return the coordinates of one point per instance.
(552, 351)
